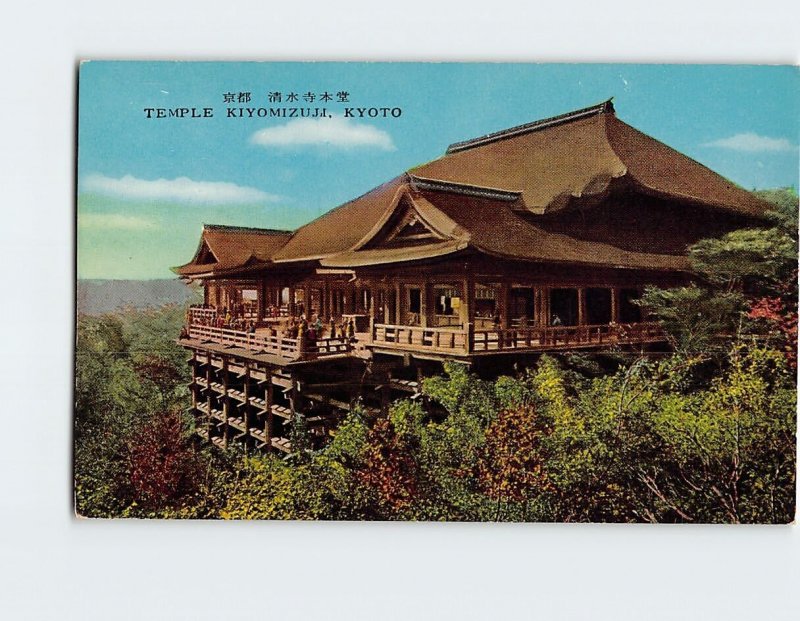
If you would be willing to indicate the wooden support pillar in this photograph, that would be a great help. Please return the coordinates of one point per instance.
(194, 384)
(398, 304)
(349, 307)
(269, 425)
(261, 302)
(503, 293)
(467, 310)
(294, 398)
(425, 305)
(246, 406)
(582, 306)
(372, 306)
(226, 411)
(545, 308)
(615, 304)
(209, 420)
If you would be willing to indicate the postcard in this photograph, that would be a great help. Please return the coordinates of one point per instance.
(436, 292)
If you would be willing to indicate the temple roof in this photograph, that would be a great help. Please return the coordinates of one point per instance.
(553, 161)
(496, 194)
(223, 248)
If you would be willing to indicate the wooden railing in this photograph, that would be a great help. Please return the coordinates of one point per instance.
(468, 341)
(565, 336)
(202, 316)
(417, 337)
(438, 340)
(273, 343)
(329, 346)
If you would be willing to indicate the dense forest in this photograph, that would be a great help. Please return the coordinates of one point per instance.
(706, 433)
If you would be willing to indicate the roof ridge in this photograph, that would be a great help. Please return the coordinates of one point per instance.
(468, 189)
(252, 229)
(604, 107)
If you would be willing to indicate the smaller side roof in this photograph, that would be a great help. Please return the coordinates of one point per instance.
(226, 248)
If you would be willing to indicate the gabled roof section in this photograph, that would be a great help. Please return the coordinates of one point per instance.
(410, 229)
(410, 220)
(227, 248)
(582, 155)
(343, 227)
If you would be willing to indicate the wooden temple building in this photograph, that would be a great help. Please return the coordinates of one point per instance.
(535, 238)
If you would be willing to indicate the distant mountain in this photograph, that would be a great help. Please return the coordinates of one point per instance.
(105, 296)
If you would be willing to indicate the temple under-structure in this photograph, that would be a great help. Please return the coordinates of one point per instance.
(536, 238)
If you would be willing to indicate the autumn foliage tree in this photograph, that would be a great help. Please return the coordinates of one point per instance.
(512, 465)
(164, 469)
(390, 466)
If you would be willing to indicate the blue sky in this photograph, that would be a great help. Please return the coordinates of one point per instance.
(146, 186)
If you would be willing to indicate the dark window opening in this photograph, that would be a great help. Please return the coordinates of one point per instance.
(414, 300)
(521, 303)
(598, 306)
(628, 311)
(564, 307)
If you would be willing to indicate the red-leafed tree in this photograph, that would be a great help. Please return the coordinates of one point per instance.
(389, 467)
(163, 467)
(511, 466)
(780, 314)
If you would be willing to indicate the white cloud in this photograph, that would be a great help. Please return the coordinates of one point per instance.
(752, 143)
(336, 132)
(105, 221)
(181, 189)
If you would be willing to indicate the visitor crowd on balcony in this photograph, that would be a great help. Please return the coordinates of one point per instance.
(311, 329)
